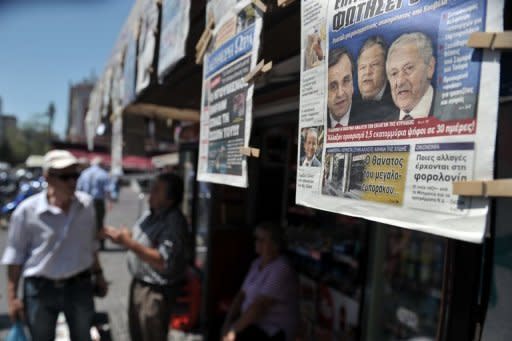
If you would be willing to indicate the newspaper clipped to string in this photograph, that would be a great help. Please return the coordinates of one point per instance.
(394, 108)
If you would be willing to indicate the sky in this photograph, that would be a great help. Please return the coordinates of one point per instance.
(45, 45)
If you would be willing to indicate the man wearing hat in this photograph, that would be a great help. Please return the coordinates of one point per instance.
(52, 244)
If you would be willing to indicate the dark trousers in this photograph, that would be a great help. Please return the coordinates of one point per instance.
(149, 311)
(255, 333)
(45, 299)
(99, 207)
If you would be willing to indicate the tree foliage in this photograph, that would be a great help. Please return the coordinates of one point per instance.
(29, 138)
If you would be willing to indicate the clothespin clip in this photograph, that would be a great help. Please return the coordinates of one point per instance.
(261, 6)
(260, 68)
(202, 50)
(468, 188)
(207, 31)
(490, 188)
(249, 151)
(116, 114)
(204, 40)
(284, 3)
(491, 40)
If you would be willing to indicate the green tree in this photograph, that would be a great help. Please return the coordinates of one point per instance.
(30, 138)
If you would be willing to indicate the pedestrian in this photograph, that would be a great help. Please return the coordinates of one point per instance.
(52, 244)
(157, 259)
(95, 181)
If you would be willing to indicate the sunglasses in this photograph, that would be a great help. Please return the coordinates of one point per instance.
(67, 176)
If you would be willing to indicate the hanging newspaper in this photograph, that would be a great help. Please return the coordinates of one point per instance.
(175, 26)
(116, 163)
(129, 75)
(116, 166)
(226, 110)
(395, 108)
(93, 116)
(146, 43)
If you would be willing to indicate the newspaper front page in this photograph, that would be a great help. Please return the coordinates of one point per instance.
(394, 108)
(173, 38)
(226, 105)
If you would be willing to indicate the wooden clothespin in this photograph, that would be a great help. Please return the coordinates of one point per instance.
(250, 152)
(490, 188)
(260, 68)
(261, 6)
(202, 50)
(284, 3)
(468, 188)
(499, 188)
(491, 40)
(204, 40)
(207, 31)
(116, 114)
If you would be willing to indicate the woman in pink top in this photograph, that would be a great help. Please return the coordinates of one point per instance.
(266, 306)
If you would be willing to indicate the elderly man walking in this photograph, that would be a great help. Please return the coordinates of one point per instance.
(52, 244)
(95, 181)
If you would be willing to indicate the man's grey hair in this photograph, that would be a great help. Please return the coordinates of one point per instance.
(420, 40)
(374, 40)
(313, 131)
(335, 56)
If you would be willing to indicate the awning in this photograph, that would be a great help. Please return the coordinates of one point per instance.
(130, 162)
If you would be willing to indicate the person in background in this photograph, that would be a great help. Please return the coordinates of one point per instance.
(310, 146)
(95, 181)
(376, 101)
(157, 259)
(52, 244)
(371, 70)
(266, 306)
(340, 87)
(410, 67)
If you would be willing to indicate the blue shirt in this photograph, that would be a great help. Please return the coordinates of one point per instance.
(95, 181)
(49, 242)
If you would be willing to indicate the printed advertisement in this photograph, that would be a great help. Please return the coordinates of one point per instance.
(174, 33)
(226, 110)
(147, 44)
(395, 107)
(116, 152)
(116, 163)
(93, 118)
(129, 67)
(106, 91)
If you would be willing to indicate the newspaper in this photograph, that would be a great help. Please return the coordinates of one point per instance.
(395, 108)
(128, 92)
(147, 44)
(226, 104)
(175, 27)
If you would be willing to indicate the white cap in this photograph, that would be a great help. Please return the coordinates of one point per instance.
(58, 159)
